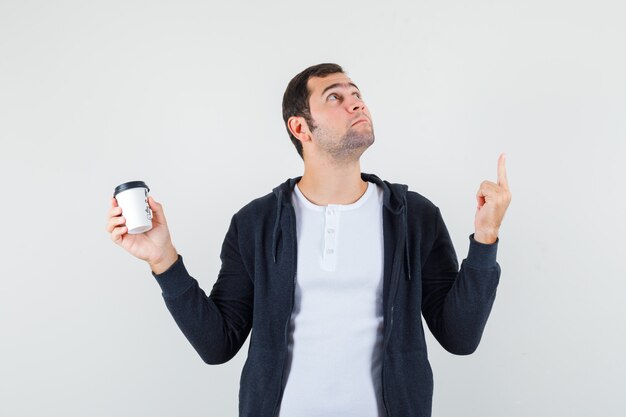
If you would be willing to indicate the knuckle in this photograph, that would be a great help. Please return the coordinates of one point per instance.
(118, 232)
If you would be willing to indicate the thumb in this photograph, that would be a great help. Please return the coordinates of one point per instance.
(157, 210)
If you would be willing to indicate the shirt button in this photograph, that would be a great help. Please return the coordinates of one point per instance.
(331, 230)
(330, 251)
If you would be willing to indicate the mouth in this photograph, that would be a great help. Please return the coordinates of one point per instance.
(360, 121)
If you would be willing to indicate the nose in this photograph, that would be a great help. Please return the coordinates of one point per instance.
(356, 104)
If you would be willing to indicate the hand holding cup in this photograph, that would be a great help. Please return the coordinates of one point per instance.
(153, 246)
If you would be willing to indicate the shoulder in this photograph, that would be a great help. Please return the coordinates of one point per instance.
(423, 218)
(258, 206)
(417, 200)
(257, 211)
(414, 200)
(422, 212)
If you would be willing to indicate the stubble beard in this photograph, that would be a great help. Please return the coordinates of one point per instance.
(348, 148)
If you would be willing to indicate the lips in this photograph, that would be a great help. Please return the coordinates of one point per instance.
(360, 120)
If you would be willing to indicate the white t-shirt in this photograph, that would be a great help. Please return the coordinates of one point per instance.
(336, 328)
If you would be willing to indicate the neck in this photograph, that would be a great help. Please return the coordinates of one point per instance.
(325, 183)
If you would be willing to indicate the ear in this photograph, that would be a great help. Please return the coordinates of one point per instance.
(299, 128)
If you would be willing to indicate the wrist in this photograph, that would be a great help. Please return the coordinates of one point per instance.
(165, 261)
(486, 238)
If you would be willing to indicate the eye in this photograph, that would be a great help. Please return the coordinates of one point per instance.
(331, 95)
(358, 95)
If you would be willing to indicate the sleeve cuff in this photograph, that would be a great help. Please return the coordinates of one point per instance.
(482, 255)
(175, 280)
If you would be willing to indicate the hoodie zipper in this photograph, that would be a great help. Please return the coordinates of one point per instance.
(382, 369)
(293, 290)
(395, 278)
(386, 342)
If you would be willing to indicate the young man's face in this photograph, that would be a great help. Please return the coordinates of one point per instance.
(342, 123)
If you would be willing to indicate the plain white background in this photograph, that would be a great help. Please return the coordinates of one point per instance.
(187, 96)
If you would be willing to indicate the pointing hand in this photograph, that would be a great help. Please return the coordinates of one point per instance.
(493, 201)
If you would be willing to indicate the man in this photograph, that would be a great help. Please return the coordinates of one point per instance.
(331, 271)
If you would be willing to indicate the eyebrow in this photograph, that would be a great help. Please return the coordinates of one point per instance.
(346, 85)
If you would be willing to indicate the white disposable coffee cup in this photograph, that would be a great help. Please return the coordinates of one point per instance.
(132, 197)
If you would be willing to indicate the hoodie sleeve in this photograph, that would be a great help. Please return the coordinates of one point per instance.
(216, 325)
(456, 303)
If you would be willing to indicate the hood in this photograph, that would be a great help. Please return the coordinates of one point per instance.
(394, 200)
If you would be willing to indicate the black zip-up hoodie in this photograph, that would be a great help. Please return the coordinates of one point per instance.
(255, 289)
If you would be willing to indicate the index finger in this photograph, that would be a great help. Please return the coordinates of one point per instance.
(113, 202)
(502, 179)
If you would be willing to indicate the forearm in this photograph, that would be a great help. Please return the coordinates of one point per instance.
(215, 328)
(458, 319)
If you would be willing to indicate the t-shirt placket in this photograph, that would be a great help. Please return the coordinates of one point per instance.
(331, 230)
